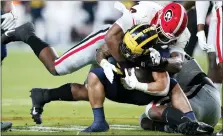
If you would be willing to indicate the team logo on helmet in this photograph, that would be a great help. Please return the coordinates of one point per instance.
(168, 15)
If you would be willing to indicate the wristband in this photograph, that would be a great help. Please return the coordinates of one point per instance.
(142, 87)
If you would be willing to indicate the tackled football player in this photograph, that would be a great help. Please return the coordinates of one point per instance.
(130, 85)
(201, 92)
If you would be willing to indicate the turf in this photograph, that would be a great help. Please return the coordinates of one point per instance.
(22, 71)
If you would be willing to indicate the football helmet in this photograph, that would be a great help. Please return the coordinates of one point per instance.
(138, 40)
(170, 22)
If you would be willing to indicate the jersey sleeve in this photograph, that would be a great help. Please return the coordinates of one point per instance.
(181, 42)
(126, 21)
(201, 11)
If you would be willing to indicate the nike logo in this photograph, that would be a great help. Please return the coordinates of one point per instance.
(34, 111)
(8, 32)
(200, 130)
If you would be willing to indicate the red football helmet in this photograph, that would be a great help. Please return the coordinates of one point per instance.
(171, 21)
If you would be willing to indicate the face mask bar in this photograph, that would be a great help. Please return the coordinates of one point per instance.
(163, 37)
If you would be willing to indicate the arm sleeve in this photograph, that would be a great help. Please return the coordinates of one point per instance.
(181, 42)
(201, 11)
(126, 21)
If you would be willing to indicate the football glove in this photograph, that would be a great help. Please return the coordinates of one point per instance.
(130, 81)
(108, 69)
(8, 21)
(202, 42)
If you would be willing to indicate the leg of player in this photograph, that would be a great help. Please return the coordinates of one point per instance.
(180, 101)
(214, 70)
(26, 33)
(96, 96)
(66, 92)
(72, 60)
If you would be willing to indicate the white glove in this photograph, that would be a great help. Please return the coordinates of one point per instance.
(9, 21)
(202, 42)
(130, 81)
(155, 56)
(108, 69)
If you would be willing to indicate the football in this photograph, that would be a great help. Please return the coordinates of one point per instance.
(142, 74)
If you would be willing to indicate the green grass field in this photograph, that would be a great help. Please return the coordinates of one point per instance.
(22, 71)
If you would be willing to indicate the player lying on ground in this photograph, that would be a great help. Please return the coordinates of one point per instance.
(8, 22)
(213, 44)
(199, 89)
(126, 89)
(83, 53)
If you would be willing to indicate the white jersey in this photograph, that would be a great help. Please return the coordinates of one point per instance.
(143, 13)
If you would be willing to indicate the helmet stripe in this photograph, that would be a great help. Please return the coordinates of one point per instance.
(129, 41)
(181, 20)
(146, 41)
(133, 30)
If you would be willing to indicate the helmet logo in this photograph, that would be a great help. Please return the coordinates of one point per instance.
(168, 15)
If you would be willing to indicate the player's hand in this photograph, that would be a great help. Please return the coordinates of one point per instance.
(130, 81)
(202, 41)
(155, 56)
(108, 69)
(9, 21)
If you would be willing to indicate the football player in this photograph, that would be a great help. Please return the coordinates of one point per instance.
(144, 12)
(213, 44)
(127, 87)
(8, 22)
(199, 89)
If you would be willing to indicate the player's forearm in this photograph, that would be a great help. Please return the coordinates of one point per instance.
(113, 39)
(159, 87)
(201, 11)
(200, 27)
(174, 63)
(113, 46)
(102, 53)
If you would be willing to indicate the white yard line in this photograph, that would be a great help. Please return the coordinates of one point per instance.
(71, 128)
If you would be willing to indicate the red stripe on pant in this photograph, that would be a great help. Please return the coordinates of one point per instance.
(218, 44)
(78, 49)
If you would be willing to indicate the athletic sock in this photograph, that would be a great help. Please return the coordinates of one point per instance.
(61, 93)
(173, 116)
(190, 115)
(99, 115)
(36, 44)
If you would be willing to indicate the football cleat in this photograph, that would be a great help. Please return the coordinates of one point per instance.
(5, 126)
(21, 33)
(195, 128)
(38, 101)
